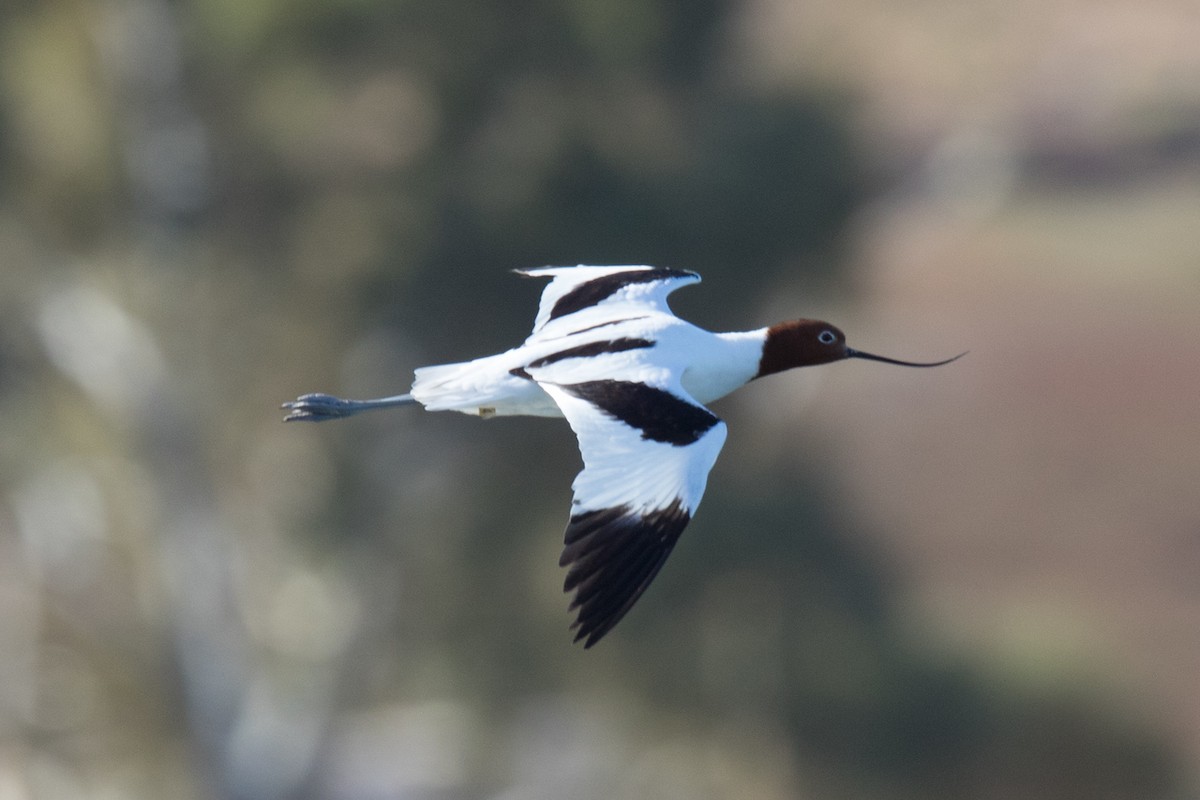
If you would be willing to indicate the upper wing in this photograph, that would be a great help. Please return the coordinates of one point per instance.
(574, 289)
(647, 452)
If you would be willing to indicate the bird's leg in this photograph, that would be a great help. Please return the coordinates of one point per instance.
(320, 407)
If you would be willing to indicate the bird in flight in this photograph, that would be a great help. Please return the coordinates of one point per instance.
(632, 381)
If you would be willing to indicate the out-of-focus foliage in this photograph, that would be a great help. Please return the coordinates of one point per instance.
(207, 208)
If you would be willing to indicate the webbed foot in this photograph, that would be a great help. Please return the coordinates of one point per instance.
(318, 407)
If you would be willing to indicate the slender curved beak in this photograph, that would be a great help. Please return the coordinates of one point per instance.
(852, 353)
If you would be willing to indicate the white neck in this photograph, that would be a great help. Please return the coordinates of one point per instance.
(729, 363)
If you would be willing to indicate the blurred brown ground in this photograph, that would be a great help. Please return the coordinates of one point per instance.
(1043, 501)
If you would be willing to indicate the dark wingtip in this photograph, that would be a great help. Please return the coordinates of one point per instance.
(613, 555)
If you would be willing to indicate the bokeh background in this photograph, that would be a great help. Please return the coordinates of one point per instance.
(981, 581)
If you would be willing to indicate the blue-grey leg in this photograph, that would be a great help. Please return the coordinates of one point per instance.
(320, 407)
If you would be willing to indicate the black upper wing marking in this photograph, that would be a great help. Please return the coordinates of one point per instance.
(592, 349)
(600, 289)
(613, 555)
(658, 414)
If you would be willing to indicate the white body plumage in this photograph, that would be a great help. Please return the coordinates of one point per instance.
(632, 380)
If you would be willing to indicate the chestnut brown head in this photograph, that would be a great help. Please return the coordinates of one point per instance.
(807, 342)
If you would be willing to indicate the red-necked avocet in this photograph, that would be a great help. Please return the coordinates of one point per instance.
(632, 380)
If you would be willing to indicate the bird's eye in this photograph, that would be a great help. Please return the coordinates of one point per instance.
(826, 337)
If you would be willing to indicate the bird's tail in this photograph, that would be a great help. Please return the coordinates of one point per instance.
(444, 387)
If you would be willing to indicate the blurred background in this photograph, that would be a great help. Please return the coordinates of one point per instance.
(981, 581)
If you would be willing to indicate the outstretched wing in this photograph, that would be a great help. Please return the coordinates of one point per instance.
(625, 289)
(647, 452)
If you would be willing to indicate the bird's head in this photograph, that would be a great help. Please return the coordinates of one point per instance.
(807, 342)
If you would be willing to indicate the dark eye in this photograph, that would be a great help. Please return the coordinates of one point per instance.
(826, 337)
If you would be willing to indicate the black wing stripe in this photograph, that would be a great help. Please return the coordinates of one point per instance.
(613, 556)
(592, 349)
(597, 290)
(658, 414)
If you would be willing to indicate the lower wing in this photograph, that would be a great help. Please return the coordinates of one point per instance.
(647, 452)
